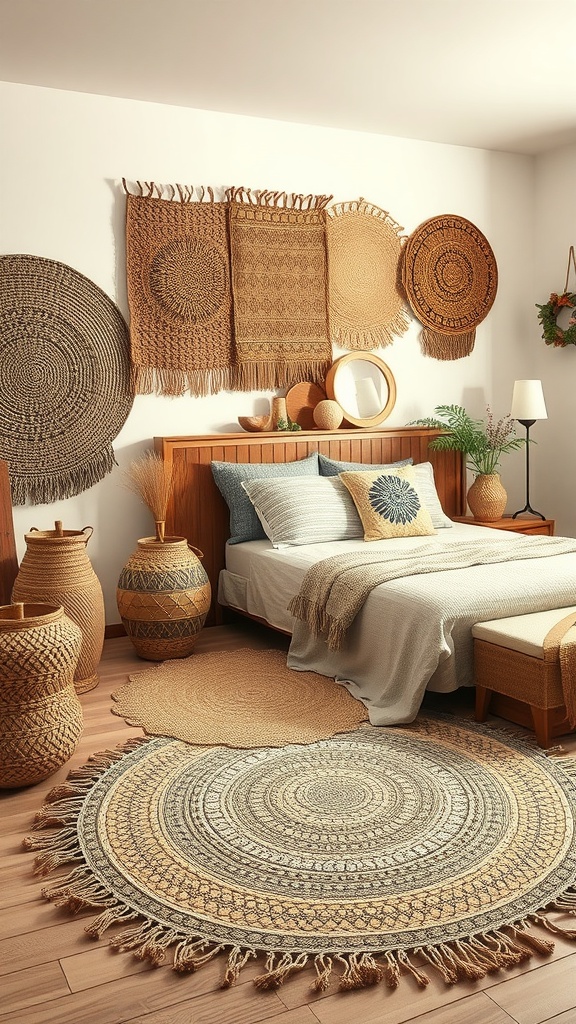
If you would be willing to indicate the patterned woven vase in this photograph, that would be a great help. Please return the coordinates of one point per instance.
(40, 713)
(163, 598)
(487, 498)
(56, 570)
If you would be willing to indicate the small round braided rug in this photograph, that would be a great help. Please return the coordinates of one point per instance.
(366, 307)
(65, 390)
(450, 277)
(242, 698)
(367, 854)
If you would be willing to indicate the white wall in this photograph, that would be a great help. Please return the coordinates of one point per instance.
(61, 197)
(555, 225)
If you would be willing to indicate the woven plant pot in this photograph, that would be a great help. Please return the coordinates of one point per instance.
(40, 713)
(163, 598)
(487, 498)
(56, 570)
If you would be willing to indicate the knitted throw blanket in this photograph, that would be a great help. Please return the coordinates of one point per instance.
(178, 272)
(279, 284)
(334, 590)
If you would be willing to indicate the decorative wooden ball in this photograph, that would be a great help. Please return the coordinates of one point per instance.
(328, 415)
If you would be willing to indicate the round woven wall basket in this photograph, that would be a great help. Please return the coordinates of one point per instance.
(56, 569)
(40, 713)
(65, 386)
(163, 597)
(450, 276)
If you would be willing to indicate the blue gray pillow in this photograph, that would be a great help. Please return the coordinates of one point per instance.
(229, 476)
(330, 467)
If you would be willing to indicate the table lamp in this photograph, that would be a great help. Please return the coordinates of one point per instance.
(528, 405)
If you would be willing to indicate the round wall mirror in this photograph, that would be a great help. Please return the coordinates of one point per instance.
(364, 388)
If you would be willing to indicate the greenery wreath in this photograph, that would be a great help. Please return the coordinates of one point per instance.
(548, 316)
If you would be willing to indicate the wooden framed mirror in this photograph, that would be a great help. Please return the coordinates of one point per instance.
(364, 387)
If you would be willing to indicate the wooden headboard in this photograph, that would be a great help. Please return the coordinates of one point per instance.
(198, 511)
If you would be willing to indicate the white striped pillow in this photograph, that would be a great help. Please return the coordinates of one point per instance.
(309, 510)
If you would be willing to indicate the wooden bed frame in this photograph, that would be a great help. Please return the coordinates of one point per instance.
(198, 511)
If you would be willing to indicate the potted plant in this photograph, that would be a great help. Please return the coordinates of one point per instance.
(483, 444)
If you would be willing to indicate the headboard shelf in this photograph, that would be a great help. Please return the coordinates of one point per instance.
(198, 511)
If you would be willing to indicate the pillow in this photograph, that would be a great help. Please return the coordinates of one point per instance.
(311, 510)
(244, 523)
(330, 467)
(429, 494)
(389, 503)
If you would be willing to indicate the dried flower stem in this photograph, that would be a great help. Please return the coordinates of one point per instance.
(151, 479)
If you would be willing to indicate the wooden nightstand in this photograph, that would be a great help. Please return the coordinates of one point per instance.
(521, 525)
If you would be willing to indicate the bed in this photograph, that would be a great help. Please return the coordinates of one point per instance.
(413, 632)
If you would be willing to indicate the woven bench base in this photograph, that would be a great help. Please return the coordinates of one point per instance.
(521, 689)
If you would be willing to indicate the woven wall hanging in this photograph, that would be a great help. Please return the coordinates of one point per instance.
(279, 284)
(178, 270)
(366, 308)
(450, 276)
(64, 378)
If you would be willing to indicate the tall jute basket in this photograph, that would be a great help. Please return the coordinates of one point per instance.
(56, 569)
(40, 713)
(163, 597)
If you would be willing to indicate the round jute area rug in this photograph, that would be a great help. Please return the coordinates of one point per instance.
(242, 698)
(430, 846)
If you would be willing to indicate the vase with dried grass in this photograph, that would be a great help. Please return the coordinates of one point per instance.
(163, 591)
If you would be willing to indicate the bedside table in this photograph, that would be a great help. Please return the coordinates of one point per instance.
(520, 525)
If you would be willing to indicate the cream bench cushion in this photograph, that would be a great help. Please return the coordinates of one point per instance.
(522, 633)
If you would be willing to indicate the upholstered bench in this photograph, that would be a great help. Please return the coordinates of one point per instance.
(517, 670)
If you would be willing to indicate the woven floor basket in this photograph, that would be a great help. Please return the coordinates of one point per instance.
(163, 598)
(56, 569)
(40, 713)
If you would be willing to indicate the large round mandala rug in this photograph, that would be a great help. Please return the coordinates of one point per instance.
(433, 845)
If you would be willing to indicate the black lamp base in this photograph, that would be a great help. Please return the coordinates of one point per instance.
(527, 508)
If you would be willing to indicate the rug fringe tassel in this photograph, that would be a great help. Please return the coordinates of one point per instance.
(368, 339)
(155, 380)
(277, 975)
(191, 954)
(237, 958)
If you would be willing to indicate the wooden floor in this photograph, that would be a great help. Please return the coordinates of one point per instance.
(53, 974)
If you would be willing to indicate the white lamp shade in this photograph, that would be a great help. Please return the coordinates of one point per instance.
(528, 401)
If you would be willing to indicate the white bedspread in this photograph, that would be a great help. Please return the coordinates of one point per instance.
(413, 632)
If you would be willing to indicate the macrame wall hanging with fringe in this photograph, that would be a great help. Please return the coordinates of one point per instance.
(65, 389)
(450, 276)
(279, 286)
(178, 274)
(366, 308)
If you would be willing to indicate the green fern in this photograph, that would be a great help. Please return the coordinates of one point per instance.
(483, 444)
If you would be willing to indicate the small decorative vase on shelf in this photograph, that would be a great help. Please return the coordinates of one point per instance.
(56, 569)
(487, 498)
(163, 597)
(40, 713)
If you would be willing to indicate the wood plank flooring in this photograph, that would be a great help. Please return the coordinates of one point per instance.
(51, 973)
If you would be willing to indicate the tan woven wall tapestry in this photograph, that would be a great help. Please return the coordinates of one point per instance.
(65, 389)
(279, 284)
(178, 270)
(366, 308)
(450, 276)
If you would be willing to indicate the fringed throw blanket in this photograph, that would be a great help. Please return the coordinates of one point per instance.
(278, 253)
(334, 590)
(179, 293)
(361, 858)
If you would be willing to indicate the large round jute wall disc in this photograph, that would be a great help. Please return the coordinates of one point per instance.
(449, 273)
(366, 307)
(65, 389)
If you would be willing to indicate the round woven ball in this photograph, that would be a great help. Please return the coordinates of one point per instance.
(328, 415)
(65, 389)
(449, 273)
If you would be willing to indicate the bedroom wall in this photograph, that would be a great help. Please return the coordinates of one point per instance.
(555, 228)
(64, 155)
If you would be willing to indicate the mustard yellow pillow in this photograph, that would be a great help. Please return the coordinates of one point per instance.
(389, 503)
